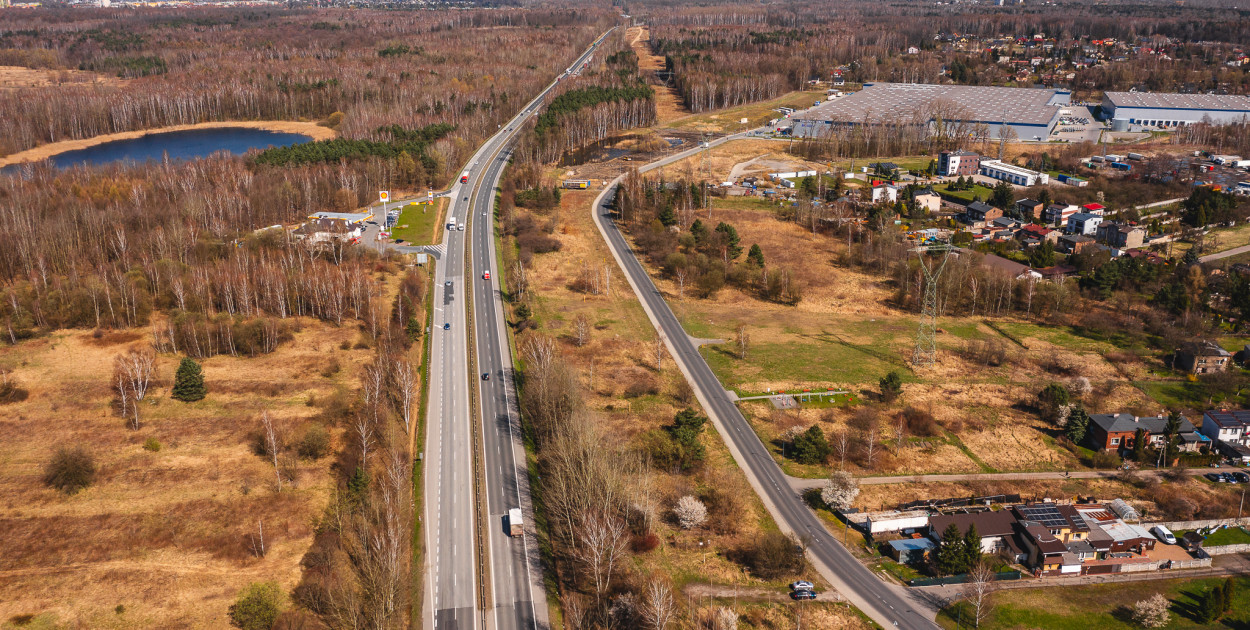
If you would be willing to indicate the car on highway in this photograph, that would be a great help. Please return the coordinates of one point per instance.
(447, 326)
(485, 376)
(460, 226)
(447, 284)
(801, 585)
(486, 275)
(803, 594)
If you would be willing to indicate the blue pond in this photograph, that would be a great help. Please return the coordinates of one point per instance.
(180, 145)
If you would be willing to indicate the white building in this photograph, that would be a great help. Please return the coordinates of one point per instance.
(1085, 223)
(1013, 174)
(885, 193)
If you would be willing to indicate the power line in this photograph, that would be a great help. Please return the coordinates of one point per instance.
(926, 334)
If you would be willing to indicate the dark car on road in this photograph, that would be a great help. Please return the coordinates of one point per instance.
(1241, 477)
(803, 595)
(447, 326)
(485, 376)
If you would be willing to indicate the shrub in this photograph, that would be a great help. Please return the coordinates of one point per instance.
(811, 447)
(70, 470)
(641, 387)
(773, 555)
(920, 422)
(9, 391)
(315, 444)
(152, 444)
(258, 606)
(643, 543)
(331, 368)
(840, 491)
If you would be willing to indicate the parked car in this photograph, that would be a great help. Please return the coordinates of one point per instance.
(1212, 477)
(1241, 477)
(1164, 534)
(801, 585)
(803, 595)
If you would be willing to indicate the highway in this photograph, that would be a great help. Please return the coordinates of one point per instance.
(888, 605)
(517, 598)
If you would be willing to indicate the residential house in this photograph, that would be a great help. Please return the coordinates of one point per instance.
(996, 529)
(979, 211)
(1037, 233)
(1057, 273)
(1057, 214)
(885, 193)
(1095, 208)
(1029, 209)
(1121, 235)
(927, 199)
(1231, 432)
(1116, 431)
(1074, 243)
(1203, 357)
(1083, 223)
(1010, 268)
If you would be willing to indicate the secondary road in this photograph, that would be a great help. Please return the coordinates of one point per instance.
(886, 604)
(800, 484)
(517, 596)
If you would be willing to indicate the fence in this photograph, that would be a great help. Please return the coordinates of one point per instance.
(961, 578)
(1213, 522)
(1224, 550)
(1190, 564)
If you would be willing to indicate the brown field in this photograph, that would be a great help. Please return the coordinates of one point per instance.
(43, 152)
(18, 77)
(163, 534)
(621, 353)
(668, 105)
(757, 157)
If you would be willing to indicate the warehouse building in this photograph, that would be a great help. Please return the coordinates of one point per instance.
(946, 109)
(1135, 111)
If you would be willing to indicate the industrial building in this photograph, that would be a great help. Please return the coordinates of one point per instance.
(1013, 174)
(947, 109)
(1135, 111)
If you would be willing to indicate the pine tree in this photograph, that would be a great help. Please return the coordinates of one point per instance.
(972, 548)
(1211, 605)
(1227, 593)
(1139, 445)
(755, 256)
(951, 555)
(189, 381)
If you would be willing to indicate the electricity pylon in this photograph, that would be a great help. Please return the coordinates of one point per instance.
(926, 335)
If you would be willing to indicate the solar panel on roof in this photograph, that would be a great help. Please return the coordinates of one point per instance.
(1048, 516)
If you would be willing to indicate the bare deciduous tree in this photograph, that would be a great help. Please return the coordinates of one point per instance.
(581, 331)
(272, 445)
(743, 341)
(132, 373)
(658, 608)
(977, 591)
(602, 539)
(406, 390)
(841, 442)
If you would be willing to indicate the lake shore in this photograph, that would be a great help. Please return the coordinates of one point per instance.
(43, 152)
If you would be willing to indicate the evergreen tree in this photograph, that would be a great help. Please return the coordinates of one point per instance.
(1211, 605)
(951, 553)
(755, 256)
(1003, 196)
(732, 249)
(1044, 197)
(811, 447)
(972, 548)
(686, 428)
(189, 382)
(1139, 445)
(1227, 593)
(666, 216)
(891, 386)
(1078, 425)
(1043, 255)
(699, 231)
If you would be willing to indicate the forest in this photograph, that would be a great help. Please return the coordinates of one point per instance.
(340, 67)
(725, 54)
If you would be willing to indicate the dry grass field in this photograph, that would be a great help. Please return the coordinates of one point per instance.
(18, 77)
(630, 397)
(846, 333)
(162, 537)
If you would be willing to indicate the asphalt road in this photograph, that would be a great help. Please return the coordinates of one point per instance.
(517, 596)
(888, 605)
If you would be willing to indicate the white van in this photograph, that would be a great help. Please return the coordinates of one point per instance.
(1164, 534)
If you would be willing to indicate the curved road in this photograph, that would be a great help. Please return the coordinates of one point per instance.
(888, 605)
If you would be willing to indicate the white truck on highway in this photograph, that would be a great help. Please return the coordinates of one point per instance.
(516, 523)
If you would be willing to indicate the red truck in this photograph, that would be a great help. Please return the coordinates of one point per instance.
(464, 179)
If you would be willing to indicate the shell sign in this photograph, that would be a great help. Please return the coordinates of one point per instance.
(384, 196)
